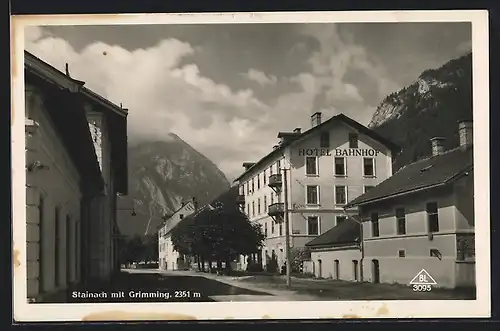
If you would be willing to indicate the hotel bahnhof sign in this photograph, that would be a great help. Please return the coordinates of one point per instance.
(338, 152)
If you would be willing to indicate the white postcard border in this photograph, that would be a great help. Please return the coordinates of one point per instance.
(481, 307)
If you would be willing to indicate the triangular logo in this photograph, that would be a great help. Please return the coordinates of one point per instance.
(423, 278)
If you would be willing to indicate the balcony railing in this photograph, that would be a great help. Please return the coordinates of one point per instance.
(240, 199)
(276, 209)
(275, 181)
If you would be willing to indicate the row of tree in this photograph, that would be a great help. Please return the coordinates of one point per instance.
(138, 248)
(218, 233)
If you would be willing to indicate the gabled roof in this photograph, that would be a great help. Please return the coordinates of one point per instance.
(188, 206)
(346, 233)
(337, 118)
(115, 115)
(426, 173)
(226, 200)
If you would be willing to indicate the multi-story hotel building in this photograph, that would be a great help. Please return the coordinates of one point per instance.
(325, 167)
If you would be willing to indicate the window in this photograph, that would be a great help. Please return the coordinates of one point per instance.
(264, 179)
(337, 269)
(181, 216)
(247, 187)
(252, 186)
(270, 170)
(369, 167)
(311, 165)
(401, 253)
(272, 198)
(248, 209)
(312, 193)
(340, 219)
(258, 182)
(340, 195)
(265, 203)
(272, 227)
(368, 187)
(324, 140)
(253, 208)
(432, 217)
(278, 167)
(313, 225)
(375, 228)
(281, 229)
(401, 220)
(258, 206)
(353, 140)
(41, 260)
(340, 166)
(57, 242)
(265, 229)
(355, 269)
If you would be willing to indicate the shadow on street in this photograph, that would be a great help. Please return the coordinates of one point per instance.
(138, 287)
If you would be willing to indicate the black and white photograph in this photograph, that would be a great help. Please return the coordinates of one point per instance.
(325, 165)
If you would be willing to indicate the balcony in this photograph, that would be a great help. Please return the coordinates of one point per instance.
(275, 181)
(240, 199)
(276, 209)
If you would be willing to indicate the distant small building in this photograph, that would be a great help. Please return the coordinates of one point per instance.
(76, 164)
(423, 218)
(336, 253)
(167, 255)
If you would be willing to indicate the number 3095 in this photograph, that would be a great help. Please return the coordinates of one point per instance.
(422, 288)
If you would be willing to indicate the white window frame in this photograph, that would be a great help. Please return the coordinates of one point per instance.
(317, 196)
(316, 163)
(319, 225)
(404, 252)
(397, 221)
(345, 166)
(374, 167)
(335, 195)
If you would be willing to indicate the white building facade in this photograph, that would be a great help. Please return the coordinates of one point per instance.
(168, 257)
(72, 181)
(326, 166)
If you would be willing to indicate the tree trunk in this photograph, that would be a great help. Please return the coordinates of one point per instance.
(199, 262)
(228, 267)
(202, 264)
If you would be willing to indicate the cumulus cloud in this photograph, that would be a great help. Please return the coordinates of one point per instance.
(261, 78)
(165, 93)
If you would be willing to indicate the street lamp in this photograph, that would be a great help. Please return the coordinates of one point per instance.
(361, 242)
(287, 229)
(283, 187)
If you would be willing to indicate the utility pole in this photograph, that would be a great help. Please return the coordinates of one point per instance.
(287, 229)
(361, 244)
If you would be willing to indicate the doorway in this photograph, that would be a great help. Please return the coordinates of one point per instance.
(320, 269)
(376, 271)
(355, 270)
(336, 269)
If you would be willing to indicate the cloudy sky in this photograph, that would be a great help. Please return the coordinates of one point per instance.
(227, 89)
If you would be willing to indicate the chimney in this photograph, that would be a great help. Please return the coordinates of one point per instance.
(248, 165)
(297, 130)
(437, 144)
(315, 119)
(465, 132)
